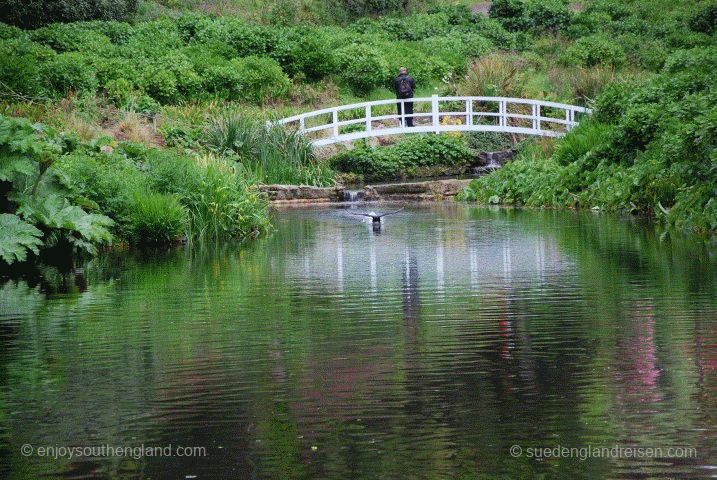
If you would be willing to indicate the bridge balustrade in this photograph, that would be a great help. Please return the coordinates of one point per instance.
(436, 114)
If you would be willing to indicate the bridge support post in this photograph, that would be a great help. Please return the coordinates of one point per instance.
(434, 111)
(502, 116)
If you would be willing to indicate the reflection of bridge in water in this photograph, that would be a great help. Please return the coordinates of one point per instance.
(459, 257)
(435, 115)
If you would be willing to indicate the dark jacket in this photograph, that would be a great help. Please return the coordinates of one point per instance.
(397, 84)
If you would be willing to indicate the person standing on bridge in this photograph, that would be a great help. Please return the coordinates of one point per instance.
(404, 85)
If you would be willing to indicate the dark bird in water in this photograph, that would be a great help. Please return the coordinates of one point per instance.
(376, 217)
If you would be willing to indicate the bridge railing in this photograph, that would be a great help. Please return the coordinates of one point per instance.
(436, 114)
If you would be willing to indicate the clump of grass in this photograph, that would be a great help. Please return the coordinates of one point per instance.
(158, 218)
(135, 128)
(85, 129)
(219, 196)
(494, 74)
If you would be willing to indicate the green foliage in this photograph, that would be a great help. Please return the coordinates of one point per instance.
(39, 195)
(488, 141)
(157, 196)
(16, 238)
(214, 193)
(9, 31)
(108, 180)
(20, 62)
(64, 222)
(171, 79)
(650, 149)
(309, 54)
(582, 139)
(38, 13)
(362, 68)
(344, 11)
(705, 21)
(416, 151)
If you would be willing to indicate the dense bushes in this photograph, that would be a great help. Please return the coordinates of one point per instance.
(197, 56)
(648, 149)
(705, 21)
(43, 12)
(40, 208)
(533, 15)
(362, 68)
(67, 197)
(401, 158)
(160, 197)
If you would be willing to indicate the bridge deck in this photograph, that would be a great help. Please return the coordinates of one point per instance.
(437, 114)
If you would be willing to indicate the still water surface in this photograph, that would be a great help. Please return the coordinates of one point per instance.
(454, 343)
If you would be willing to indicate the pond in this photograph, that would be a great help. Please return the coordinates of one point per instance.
(451, 343)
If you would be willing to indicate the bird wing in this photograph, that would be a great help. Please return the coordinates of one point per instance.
(390, 213)
(361, 214)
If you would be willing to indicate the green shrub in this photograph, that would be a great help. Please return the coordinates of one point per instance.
(68, 72)
(262, 78)
(308, 54)
(362, 68)
(594, 50)
(223, 79)
(9, 31)
(493, 30)
(580, 140)
(171, 79)
(449, 51)
(455, 13)
(344, 11)
(214, 192)
(119, 33)
(63, 37)
(152, 40)
(20, 64)
(646, 53)
(37, 199)
(109, 181)
(115, 69)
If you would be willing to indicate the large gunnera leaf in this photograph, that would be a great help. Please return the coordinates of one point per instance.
(16, 238)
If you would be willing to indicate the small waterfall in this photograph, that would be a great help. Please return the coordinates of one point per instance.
(352, 195)
(488, 167)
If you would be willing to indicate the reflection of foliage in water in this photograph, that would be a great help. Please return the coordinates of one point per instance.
(322, 383)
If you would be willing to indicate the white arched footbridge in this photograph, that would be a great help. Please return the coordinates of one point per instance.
(436, 114)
